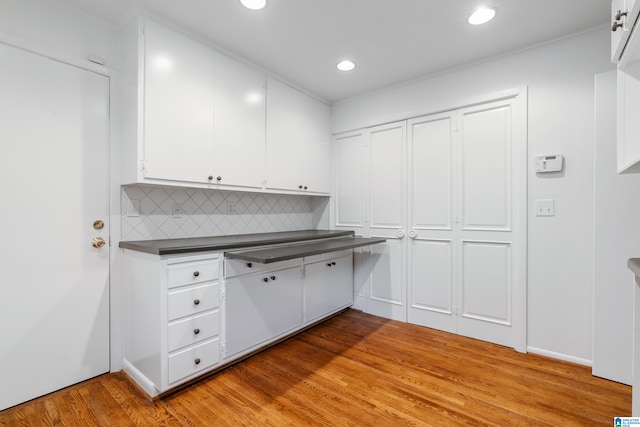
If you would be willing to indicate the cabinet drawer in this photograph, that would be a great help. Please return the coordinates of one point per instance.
(327, 256)
(238, 267)
(187, 302)
(188, 273)
(193, 360)
(192, 330)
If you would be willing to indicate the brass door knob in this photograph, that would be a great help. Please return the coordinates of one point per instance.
(98, 242)
(98, 224)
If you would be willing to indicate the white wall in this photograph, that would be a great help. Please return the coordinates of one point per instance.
(559, 77)
(56, 26)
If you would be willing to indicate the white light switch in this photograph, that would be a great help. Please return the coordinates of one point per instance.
(545, 207)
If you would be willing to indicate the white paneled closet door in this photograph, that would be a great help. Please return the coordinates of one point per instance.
(386, 215)
(432, 245)
(371, 200)
(464, 277)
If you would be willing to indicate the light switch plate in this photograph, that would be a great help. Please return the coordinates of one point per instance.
(545, 207)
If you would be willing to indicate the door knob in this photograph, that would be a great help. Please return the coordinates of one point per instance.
(98, 224)
(98, 242)
(400, 234)
(413, 234)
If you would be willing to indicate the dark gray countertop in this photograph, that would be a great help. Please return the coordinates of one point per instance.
(198, 244)
(634, 265)
(283, 253)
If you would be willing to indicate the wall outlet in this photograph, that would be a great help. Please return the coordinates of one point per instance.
(545, 207)
(177, 210)
(231, 210)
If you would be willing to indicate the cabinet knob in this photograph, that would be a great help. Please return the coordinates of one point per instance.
(305, 187)
(210, 177)
(197, 361)
(218, 178)
(265, 280)
(249, 264)
(620, 14)
(616, 25)
(196, 331)
(333, 263)
(196, 273)
(328, 264)
(273, 277)
(300, 187)
(196, 301)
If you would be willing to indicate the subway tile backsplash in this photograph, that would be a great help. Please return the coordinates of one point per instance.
(215, 213)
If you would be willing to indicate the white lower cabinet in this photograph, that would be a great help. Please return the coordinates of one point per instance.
(171, 319)
(261, 307)
(182, 321)
(328, 284)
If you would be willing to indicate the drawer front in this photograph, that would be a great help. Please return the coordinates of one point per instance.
(327, 256)
(193, 360)
(188, 273)
(238, 267)
(191, 330)
(186, 302)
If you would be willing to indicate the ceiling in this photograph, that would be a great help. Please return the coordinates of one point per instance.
(391, 41)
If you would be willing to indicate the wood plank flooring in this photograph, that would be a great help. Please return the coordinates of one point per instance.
(354, 370)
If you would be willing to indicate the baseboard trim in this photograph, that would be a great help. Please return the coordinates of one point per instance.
(560, 356)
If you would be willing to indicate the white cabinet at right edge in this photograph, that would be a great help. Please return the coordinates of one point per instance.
(625, 53)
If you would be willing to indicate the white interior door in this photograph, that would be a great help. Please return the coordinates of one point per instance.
(432, 265)
(386, 201)
(54, 178)
(463, 272)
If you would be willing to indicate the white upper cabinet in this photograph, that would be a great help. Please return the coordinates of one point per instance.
(239, 123)
(298, 141)
(197, 118)
(178, 106)
(625, 51)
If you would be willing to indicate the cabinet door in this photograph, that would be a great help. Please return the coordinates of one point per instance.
(262, 307)
(178, 106)
(239, 123)
(298, 141)
(328, 286)
(386, 214)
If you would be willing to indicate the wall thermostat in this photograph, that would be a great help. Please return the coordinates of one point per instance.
(549, 163)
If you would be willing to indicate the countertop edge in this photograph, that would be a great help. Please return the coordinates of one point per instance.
(305, 250)
(150, 248)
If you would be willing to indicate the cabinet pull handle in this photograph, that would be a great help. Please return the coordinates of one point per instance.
(210, 177)
(196, 301)
(249, 265)
(273, 277)
(620, 14)
(197, 361)
(196, 273)
(265, 280)
(616, 25)
(196, 331)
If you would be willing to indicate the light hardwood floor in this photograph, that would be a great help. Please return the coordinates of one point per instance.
(356, 370)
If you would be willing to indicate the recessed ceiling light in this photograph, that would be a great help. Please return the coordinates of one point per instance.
(482, 16)
(346, 65)
(254, 4)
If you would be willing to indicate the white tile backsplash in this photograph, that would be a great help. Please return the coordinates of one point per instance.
(205, 213)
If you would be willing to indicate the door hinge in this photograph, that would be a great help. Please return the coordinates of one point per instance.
(456, 218)
(223, 294)
(223, 351)
(144, 165)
